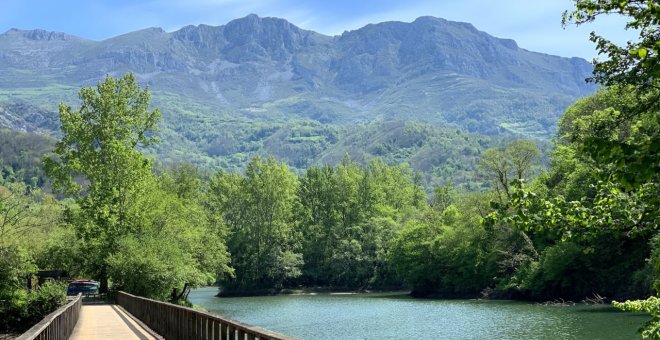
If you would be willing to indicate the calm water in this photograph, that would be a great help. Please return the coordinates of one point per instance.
(396, 316)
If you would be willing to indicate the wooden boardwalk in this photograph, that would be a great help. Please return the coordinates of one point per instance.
(107, 322)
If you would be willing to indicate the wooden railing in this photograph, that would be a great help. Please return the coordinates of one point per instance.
(178, 322)
(58, 324)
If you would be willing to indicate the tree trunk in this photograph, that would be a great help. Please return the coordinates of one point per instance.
(103, 279)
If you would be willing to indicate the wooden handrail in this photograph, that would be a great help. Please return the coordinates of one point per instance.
(58, 324)
(178, 322)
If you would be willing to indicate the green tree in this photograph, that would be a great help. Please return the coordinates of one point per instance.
(258, 210)
(443, 253)
(635, 64)
(612, 203)
(514, 161)
(99, 145)
(635, 157)
(318, 218)
(589, 207)
(635, 69)
(348, 217)
(443, 196)
(27, 219)
(176, 245)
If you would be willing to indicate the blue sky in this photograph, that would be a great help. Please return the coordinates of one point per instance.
(534, 24)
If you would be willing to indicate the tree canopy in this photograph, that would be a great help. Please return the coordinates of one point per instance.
(98, 144)
(636, 63)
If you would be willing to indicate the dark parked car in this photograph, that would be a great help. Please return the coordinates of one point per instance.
(82, 286)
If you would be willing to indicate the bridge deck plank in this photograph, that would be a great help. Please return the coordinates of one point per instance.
(107, 322)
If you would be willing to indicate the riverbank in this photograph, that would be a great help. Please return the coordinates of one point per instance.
(488, 294)
(307, 291)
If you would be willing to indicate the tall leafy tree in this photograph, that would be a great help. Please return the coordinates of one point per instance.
(514, 161)
(99, 147)
(176, 245)
(258, 210)
(348, 216)
(318, 219)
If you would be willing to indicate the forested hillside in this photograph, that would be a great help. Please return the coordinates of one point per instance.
(441, 155)
(20, 156)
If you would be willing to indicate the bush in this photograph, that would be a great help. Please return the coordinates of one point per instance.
(12, 309)
(44, 300)
(23, 309)
(15, 263)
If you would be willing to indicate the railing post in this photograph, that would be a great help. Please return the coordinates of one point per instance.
(225, 330)
(186, 330)
(217, 333)
(232, 332)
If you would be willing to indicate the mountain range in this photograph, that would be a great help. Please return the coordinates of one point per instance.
(263, 85)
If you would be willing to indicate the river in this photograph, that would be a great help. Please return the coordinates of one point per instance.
(397, 316)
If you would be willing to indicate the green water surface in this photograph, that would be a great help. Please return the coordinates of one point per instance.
(397, 316)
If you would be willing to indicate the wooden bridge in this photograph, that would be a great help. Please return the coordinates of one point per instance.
(135, 317)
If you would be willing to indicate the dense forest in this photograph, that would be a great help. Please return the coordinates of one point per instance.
(585, 224)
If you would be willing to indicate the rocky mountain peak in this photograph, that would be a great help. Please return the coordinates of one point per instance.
(255, 37)
(255, 27)
(40, 35)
